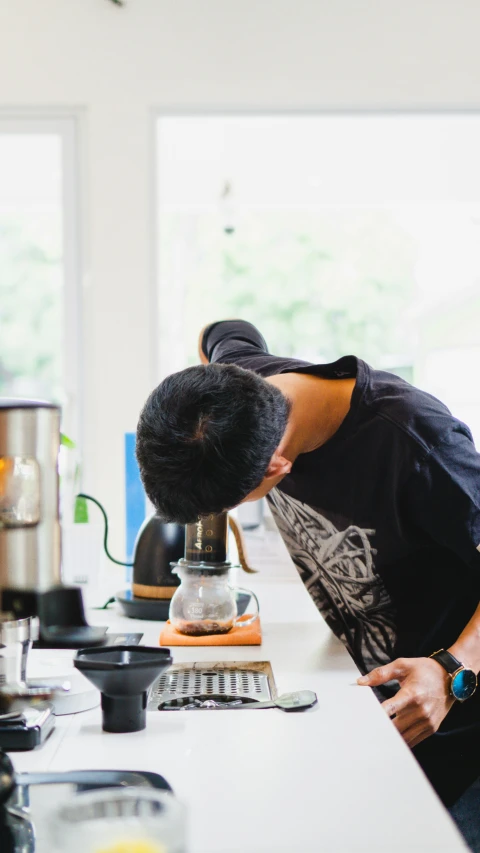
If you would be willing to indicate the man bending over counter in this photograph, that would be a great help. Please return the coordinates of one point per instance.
(375, 489)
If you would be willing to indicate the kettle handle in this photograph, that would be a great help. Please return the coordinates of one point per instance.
(240, 542)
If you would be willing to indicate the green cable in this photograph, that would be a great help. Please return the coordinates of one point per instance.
(105, 538)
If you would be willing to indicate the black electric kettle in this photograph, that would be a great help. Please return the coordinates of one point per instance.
(158, 544)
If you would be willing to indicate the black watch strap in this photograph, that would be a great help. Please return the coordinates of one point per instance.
(448, 661)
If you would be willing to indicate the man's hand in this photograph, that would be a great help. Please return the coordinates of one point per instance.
(201, 354)
(423, 700)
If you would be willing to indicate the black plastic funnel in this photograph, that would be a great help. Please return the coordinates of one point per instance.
(123, 675)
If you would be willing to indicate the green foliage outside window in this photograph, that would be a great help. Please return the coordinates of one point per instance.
(318, 285)
(31, 304)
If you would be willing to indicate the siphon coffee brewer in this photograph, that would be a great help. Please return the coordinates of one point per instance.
(205, 603)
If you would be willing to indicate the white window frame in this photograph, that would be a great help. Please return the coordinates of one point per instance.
(67, 126)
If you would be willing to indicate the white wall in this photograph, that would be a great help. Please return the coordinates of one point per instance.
(120, 63)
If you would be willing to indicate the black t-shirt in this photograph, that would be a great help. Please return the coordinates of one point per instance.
(383, 524)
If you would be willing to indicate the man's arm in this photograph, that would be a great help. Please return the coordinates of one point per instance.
(239, 342)
(467, 647)
(203, 358)
(443, 500)
(228, 341)
(424, 699)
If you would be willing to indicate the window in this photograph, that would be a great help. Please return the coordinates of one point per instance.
(334, 234)
(39, 317)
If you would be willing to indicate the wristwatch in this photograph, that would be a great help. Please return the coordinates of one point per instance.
(463, 682)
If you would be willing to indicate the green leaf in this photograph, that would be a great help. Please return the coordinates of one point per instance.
(80, 515)
(66, 441)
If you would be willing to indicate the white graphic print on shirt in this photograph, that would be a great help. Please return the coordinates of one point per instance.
(337, 569)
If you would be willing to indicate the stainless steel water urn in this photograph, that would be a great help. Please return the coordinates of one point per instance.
(30, 538)
(29, 519)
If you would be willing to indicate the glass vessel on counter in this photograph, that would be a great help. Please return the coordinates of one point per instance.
(114, 820)
(205, 603)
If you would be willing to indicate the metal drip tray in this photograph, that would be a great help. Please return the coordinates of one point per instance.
(227, 681)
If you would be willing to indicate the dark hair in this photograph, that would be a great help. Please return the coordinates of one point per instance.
(205, 438)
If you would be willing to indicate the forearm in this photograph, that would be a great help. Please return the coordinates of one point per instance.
(467, 647)
(203, 358)
(231, 341)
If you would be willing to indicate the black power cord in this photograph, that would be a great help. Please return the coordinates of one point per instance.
(105, 537)
(107, 604)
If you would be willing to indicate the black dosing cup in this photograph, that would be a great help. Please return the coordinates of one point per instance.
(123, 675)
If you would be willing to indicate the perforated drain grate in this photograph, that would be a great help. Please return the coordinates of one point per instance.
(221, 681)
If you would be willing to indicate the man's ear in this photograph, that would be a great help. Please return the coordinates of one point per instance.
(278, 466)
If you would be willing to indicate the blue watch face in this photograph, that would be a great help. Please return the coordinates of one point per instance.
(464, 684)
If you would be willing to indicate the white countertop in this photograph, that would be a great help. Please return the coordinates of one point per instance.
(334, 779)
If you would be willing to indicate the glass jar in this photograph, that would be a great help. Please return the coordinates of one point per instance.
(118, 820)
(205, 603)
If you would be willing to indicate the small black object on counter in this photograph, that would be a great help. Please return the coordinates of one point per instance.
(27, 728)
(123, 675)
(61, 615)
